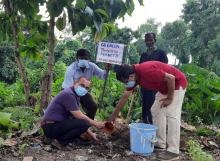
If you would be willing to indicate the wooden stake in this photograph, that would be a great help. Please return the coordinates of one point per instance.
(130, 108)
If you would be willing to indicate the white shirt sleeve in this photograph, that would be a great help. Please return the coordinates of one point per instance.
(68, 80)
(98, 72)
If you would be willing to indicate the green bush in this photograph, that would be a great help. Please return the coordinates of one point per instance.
(196, 153)
(11, 95)
(16, 118)
(202, 97)
(59, 70)
(5, 96)
(65, 51)
(17, 90)
(8, 70)
(203, 131)
(57, 86)
(24, 115)
(114, 90)
(103, 114)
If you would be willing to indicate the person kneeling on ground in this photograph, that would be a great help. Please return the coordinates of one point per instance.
(166, 111)
(63, 120)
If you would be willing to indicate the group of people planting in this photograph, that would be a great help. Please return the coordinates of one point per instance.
(162, 91)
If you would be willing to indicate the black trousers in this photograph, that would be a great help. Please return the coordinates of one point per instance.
(89, 105)
(66, 131)
(148, 98)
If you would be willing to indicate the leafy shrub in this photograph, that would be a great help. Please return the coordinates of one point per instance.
(203, 131)
(5, 97)
(11, 95)
(65, 51)
(196, 153)
(103, 114)
(57, 86)
(5, 120)
(13, 118)
(17, 93)
(59, 70)
(35, 72)
(202, 97)
(114, 90)
(24, 115)
(34, 77)
(8, 70)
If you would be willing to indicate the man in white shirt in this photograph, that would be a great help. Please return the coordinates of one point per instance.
(83, 67)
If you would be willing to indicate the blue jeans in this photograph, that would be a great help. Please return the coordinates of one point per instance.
(148, 98)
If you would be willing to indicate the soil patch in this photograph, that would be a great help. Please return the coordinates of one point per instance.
(110, 147)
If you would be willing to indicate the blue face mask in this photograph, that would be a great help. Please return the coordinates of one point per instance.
(130, 84)
(83, 63)
(81, 91)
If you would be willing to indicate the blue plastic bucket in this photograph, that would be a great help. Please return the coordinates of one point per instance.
(142, 138)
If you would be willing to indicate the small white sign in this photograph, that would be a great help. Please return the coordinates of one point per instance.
(111, 53)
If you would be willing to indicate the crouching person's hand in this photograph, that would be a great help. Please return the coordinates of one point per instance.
(99, 125)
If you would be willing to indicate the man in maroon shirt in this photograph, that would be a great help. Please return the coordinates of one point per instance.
(171, 86)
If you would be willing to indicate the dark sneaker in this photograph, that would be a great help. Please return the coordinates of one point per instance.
(157, 148)
(168, 156)
(59, 146)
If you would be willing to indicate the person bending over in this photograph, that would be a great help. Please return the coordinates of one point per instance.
(166, 111)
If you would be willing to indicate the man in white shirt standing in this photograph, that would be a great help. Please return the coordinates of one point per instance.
(83, 67)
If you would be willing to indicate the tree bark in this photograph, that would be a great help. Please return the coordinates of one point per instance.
(46, 85)
(21, 68)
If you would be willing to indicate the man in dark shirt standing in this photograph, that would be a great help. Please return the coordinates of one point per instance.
(152, 53)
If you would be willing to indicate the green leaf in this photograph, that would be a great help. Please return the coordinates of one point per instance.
(5, 120)
(101, 35)
(130, 6)
(21, 37)
(61, 22)
(216, 97)
(103, 12)
(80, 4)
(98, 22)
(55, 7)
(141, 2)
(217, 105)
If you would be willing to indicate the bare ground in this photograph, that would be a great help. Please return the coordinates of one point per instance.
(115, 148)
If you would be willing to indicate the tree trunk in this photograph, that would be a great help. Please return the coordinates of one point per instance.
(46, 85)
(21, 68)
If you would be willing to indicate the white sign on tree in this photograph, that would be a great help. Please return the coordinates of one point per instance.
(111, 53)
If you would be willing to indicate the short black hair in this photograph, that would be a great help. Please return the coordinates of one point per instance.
(151, 34)
(82, 52)
(123, 72)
